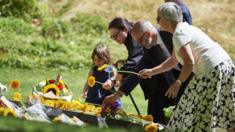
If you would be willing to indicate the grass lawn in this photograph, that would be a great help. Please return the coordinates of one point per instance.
(10, 124)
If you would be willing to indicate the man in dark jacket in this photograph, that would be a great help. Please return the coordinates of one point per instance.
(154, 88)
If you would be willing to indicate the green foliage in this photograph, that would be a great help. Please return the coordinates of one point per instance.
(65, 8)
(54, 43)
(18, 8)
(15, 26)
(87, 24)
(54, 28)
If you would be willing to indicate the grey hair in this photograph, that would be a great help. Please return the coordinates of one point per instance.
(170, 11)
(143, 26)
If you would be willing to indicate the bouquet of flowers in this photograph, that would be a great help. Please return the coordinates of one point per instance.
(53, 89)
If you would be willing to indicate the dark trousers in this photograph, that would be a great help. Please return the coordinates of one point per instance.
(157, 102)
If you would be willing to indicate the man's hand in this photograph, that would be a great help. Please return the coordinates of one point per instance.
(111, 98)
(146, 73)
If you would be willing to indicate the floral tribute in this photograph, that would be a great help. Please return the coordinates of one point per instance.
(55, 86)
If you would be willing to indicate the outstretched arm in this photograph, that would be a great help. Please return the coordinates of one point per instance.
(167, 65)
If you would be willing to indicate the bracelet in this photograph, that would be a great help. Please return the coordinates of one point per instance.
(179, 81)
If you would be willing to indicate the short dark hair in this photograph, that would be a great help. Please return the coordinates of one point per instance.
(120, 24)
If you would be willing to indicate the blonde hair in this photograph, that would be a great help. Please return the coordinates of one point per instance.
(102, 52)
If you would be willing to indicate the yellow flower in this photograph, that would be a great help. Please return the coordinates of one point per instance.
(151, 128)
(56, 119)
(49, 103)
(17, 96)
(1, 110)
(91, 81)
(61, 82)
(8, 112)
(101, 68)
(147, 117)
(15, 84)
(51, 87)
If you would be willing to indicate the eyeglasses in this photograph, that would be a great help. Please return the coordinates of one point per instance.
(115, 35)
(158, 19)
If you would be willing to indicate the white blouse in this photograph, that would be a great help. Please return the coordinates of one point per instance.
(206, 52)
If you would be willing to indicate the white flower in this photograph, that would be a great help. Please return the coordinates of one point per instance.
(3, 89)
(42, 84)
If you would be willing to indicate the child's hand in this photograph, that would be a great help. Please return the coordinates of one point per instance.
(84, 95)
(107, 85)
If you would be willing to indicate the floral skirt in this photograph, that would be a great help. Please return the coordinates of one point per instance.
(208, 102)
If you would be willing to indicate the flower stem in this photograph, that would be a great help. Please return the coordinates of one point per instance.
(99, 82)
(130, 72)
(103, 83)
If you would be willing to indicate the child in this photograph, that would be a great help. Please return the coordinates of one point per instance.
(103, 72)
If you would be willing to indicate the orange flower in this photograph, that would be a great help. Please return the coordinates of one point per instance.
(147, 117)
(15, 84)
(91, 81)
(151, 128)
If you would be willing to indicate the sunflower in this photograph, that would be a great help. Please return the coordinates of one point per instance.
(8, 112)
(91, 81)
(101, 68)
(151, 128)
(15, 84)
(51, 87)
(17, 96)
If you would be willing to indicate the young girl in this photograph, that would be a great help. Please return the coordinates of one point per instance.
(102, 72)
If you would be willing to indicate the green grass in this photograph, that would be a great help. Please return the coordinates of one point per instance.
(10, 124)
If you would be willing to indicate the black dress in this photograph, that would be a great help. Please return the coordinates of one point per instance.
(96, 94)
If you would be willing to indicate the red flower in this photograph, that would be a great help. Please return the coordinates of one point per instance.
(60, 86)
(51, 81)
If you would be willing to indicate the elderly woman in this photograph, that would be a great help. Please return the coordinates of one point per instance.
(208, 102)
(185, 11)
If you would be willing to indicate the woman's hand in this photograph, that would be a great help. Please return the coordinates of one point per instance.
(172, 92)
(107, 85)
(146, 73)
